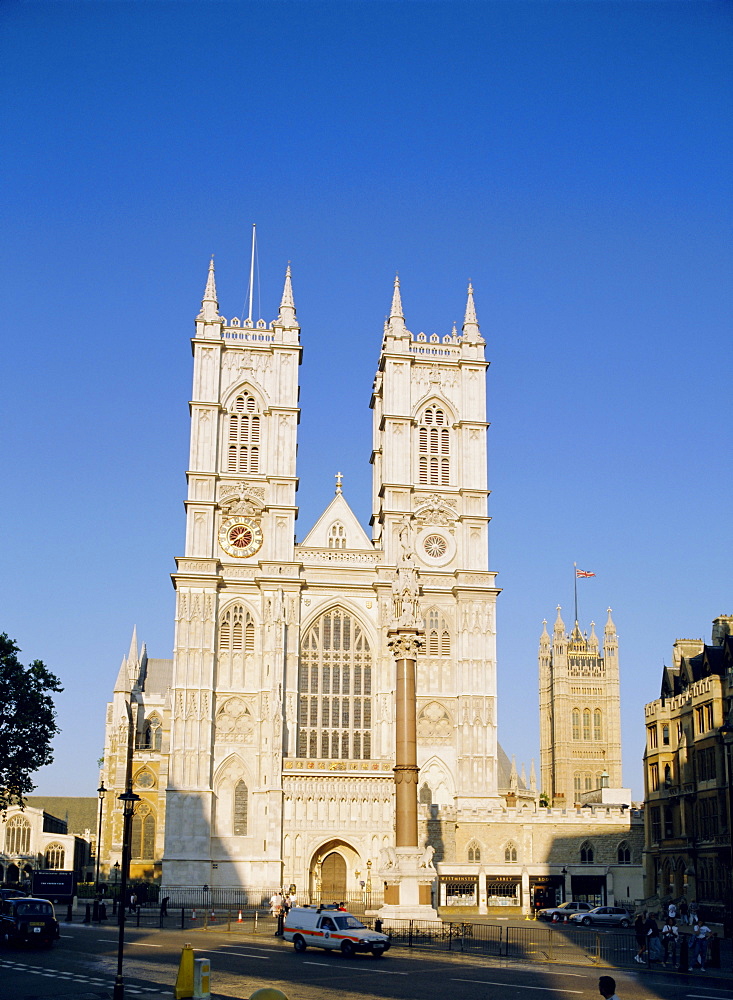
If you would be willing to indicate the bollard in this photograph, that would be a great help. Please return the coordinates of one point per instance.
(184, 979)
(684, 953)
(70, 913)
(88, 915)
(201, 978)
(95, 911)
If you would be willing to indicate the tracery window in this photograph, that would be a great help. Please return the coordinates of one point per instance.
(586, 723)
(597, 725)
(151, 737)
(576, 723)
(18, 836)
(236, 630)
(510, 853)
(337, 536)
(586, 853)
(241, 795)
(623, 853)
(577, 784)
(474, 852)
(437, 634)
(142, 841)
(335, 688)
(55, 856)
(243, 454)
(434, 448)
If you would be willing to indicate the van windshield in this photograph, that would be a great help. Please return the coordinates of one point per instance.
(348, 923)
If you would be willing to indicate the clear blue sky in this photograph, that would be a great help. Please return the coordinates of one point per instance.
(572, 159)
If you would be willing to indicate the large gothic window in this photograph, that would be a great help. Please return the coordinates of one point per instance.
(243, 443)
(142, 845)
(434, 448)
(54, 857)
(240, 809)
(437, 634)
(236, 630)
(18, 836)
(335, 687)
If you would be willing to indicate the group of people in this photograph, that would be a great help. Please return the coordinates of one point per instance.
(281, 902)
(664, 946)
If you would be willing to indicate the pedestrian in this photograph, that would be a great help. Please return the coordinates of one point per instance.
(700, 934)
(672, 910)
(607, 988)
(640, 932)
(654, 942)
(133, 903)
(684, 912)
(275, 904)
(693, 912)
(670, 941)
(164, 906)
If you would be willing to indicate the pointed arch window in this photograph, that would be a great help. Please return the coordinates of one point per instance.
(151, 737)
(510, 853)
(623, 853)
(474, 852)
(597, 725)
(433, 439)
(18, 836)
(236, 631)
(241, 803)
(55, 856)
(437, 634)
(576, 723)
(243, 435)
(586, 723)
(586, 853)
(335, 689)
(337, 536)
(142, 841)
(577, 784)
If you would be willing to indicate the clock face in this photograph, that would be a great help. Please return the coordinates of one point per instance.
(240, 537)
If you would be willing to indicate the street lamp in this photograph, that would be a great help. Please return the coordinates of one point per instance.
(101, 791)
(128, 799)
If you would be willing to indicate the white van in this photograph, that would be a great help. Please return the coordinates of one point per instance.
(328, 928)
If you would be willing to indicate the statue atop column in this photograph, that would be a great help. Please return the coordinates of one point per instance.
(405, 586)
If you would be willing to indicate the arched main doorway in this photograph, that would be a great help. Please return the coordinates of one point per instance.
(333, 877)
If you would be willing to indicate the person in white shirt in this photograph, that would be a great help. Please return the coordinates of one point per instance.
(672, 911)
(700, 934)
(670, 941)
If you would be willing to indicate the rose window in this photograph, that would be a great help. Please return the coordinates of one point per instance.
(435, 546)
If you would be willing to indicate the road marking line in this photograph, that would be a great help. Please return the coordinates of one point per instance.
(241, 954)
(324, 965)
(143, 944)
(705, 996)
(516, 986)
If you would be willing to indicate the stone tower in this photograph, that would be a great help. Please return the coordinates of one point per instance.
(580, 716)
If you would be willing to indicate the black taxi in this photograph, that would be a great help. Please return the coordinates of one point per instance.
(24, 920)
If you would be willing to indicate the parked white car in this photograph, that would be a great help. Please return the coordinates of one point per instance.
(314, 927)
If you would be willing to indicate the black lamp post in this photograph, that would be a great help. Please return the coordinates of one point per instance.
(101, 791)
(563, 873)
(128, 800)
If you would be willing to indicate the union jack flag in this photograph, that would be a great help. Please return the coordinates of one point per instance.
(583, 572)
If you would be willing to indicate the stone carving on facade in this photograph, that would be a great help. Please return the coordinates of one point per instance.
(405, 647)
(436, 510)
(387, 858)
(426, 861)
(405, 586)
(234, 722)
(248, 364)
(241, 500)
(434, 724)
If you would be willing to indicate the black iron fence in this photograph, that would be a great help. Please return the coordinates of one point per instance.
(249, 898)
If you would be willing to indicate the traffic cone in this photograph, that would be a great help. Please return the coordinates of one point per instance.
(193, 914)
(213, 916)
(239, 918)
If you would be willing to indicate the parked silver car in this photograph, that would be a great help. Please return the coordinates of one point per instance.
(563, 911)
(608, 916)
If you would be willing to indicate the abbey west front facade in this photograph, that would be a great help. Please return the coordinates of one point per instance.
(263, 752)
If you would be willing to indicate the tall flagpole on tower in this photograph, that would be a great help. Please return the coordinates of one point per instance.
(575, 584)
(252, 273)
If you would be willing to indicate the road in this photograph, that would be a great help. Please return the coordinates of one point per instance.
(83, 965)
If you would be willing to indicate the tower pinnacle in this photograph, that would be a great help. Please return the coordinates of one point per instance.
(286, 316)
(471, 330)
(396, 322)
(210, 304)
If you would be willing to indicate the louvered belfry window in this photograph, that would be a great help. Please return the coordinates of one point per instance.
(236, 631)
(243, 446)
(437, 635)
(433, 448)
(335, 688)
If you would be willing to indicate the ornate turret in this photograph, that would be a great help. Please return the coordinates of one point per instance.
(471, 332)
(286, 315)
(210, 304)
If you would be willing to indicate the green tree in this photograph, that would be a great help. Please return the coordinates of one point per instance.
(27, 722)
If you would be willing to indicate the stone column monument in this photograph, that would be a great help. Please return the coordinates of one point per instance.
(407, 869)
